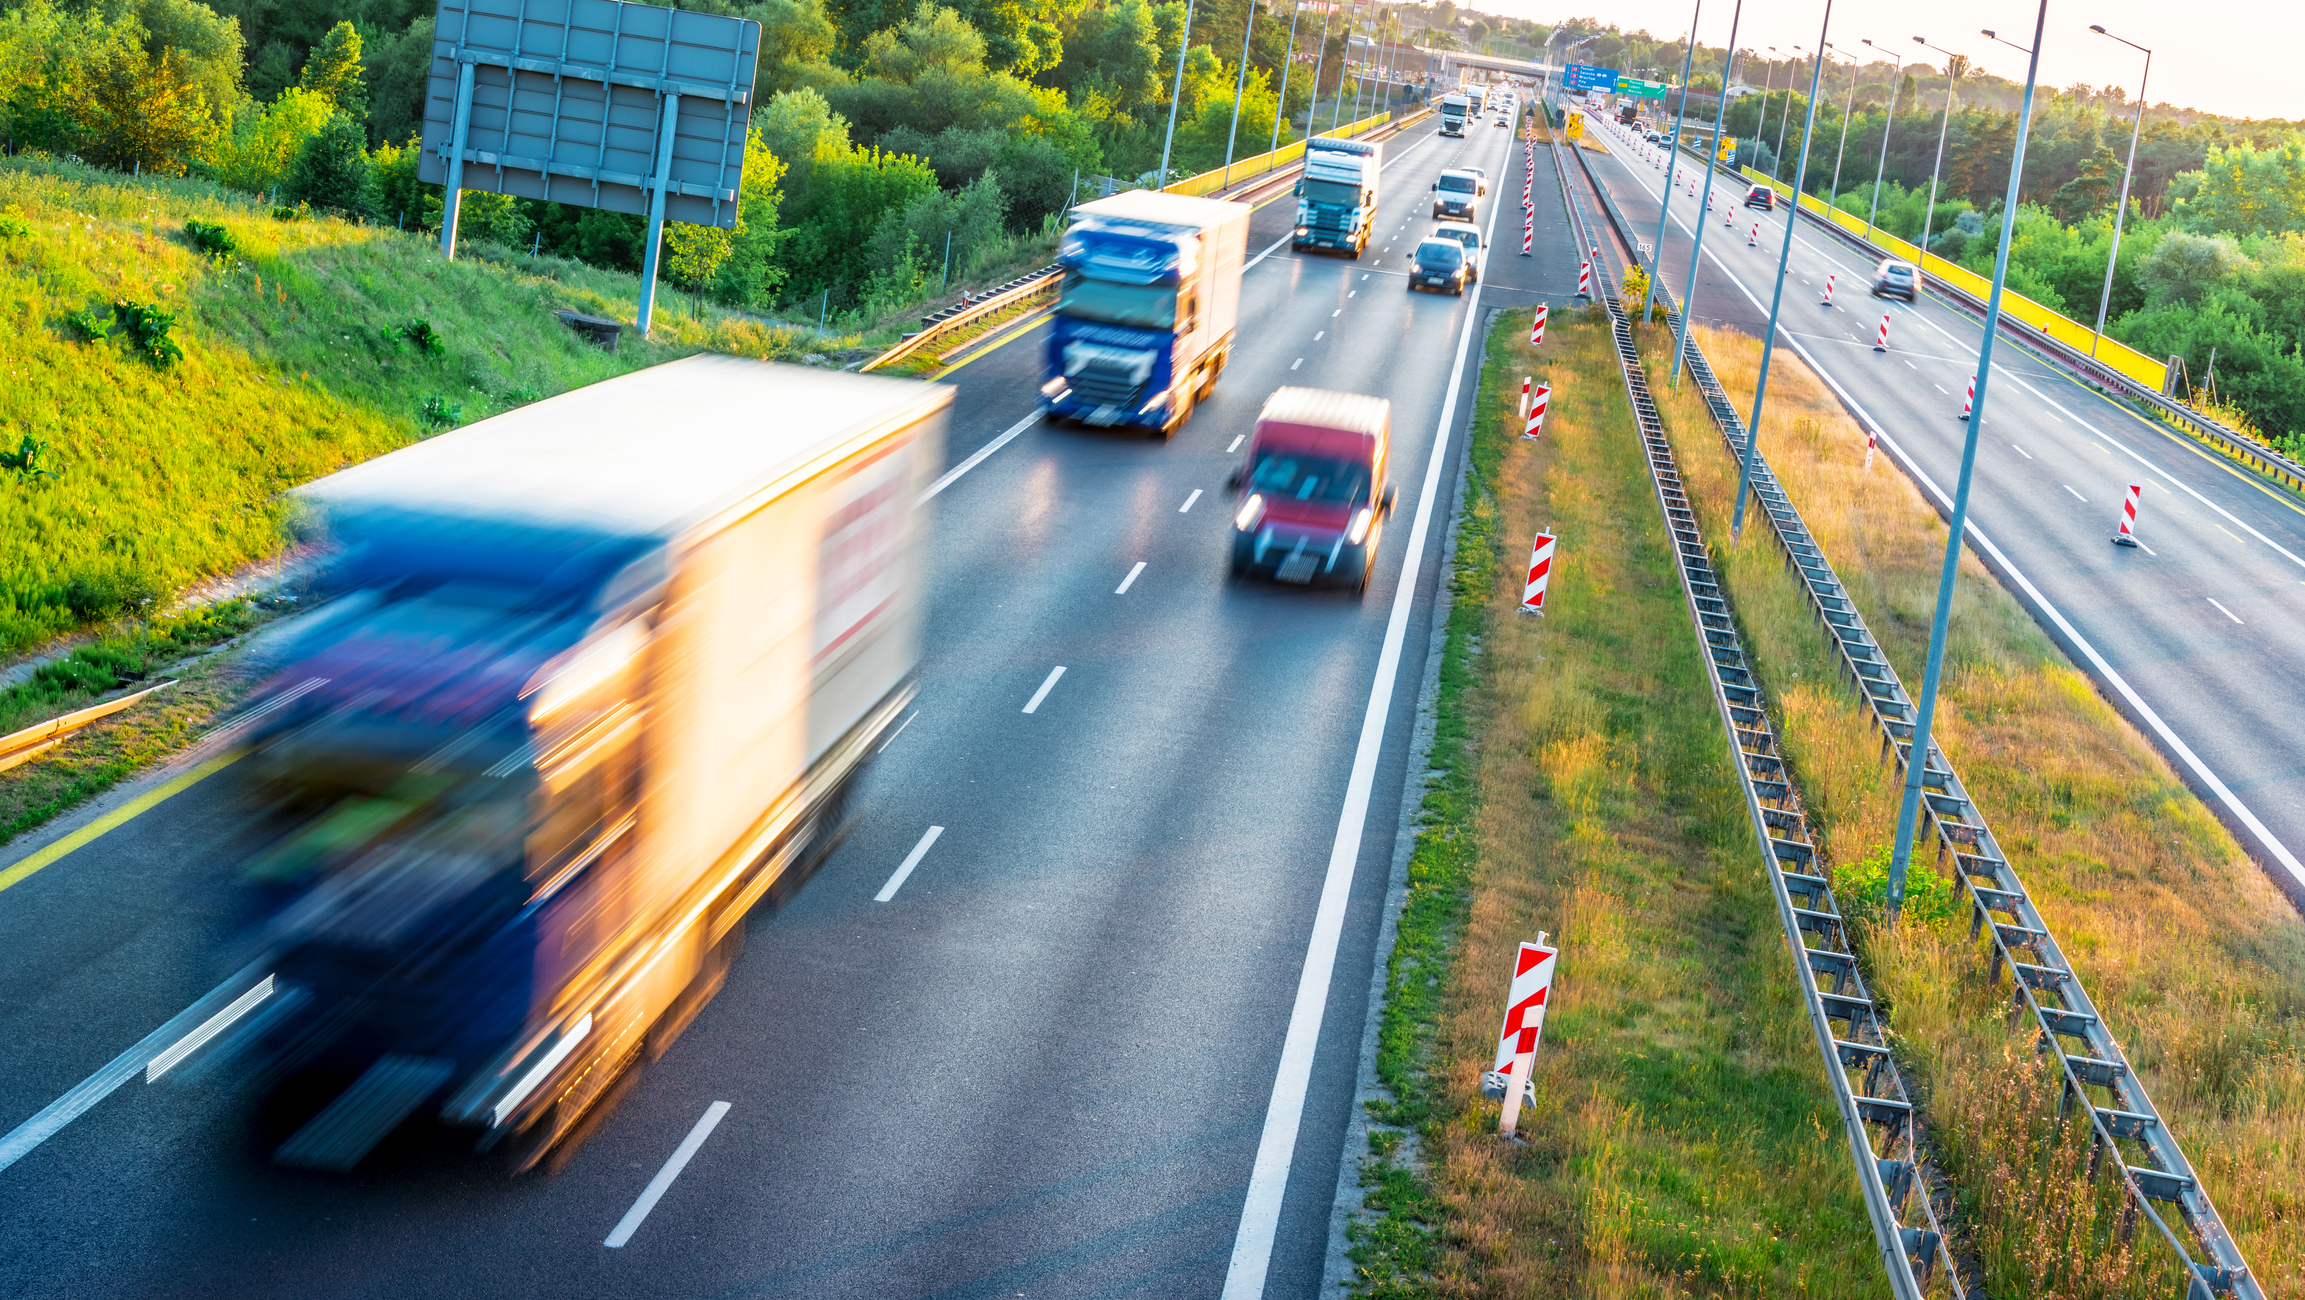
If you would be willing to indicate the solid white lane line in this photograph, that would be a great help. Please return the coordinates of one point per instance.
(1276, 1149)
(1046, 686)
(1238, 438)
(681, 1155)
(2076, 496)
(1130, 580)
(27, 1136)
(898, 732)
(1298, 362)
(1194, 497)
(169, 1059)
(2226, 612)
(979, 458)
(911, 860)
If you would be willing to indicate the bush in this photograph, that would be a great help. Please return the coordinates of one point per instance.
(1862, 890)
(331, 170)
(209, 238)
(146, 327)
(420, 335)
(107, 594)
(440, 414)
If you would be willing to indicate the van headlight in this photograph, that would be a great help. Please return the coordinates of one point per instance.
(1250, 512)
(1359, 532)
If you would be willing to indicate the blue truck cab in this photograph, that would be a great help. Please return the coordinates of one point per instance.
(1337, 195)
(1144, 321)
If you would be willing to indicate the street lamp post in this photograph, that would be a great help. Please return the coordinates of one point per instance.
(1785, 119)
(1908, 809)
(1784, 260)
(1697, 246)
(1288, 56)
(1664, 209)
(1768, 81)
(1843, 148)
(1233, 132)
(1896, 75)
(1320, 60)
(1929, 218)
(2105, 297)
(1184, 43)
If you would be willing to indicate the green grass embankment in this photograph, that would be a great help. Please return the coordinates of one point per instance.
(1681, 1141)
(297, 359)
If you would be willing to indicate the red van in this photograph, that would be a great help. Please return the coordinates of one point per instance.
(1314, 495)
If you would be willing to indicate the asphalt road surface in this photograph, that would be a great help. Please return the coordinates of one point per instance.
(1044, 1062)
(2198, 634)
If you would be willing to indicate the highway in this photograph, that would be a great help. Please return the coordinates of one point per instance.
(2196, 635)
(1136, 932)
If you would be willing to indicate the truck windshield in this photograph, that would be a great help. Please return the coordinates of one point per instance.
(1146, 306)
(1289, 477)
(1457, 184)
(1342, 194)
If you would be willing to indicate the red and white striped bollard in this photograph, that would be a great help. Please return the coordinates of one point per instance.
(2128, 534)
(1828, 292)
(1881, 344)
(1536, 416)
(1537, 328)
(1585, 280)
(1540, 574)
(1969, 399)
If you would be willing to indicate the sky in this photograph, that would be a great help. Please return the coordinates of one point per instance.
(2234, 57)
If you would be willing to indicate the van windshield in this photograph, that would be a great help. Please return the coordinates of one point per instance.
(1457, 184)
(1146, 306)
(1288, 476)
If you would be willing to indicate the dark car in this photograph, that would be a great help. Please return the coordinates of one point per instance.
(1440, 263)
(1762, 197)
(1896, 279)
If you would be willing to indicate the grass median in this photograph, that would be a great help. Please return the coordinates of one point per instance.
(1682, 1140)
(2193, 957)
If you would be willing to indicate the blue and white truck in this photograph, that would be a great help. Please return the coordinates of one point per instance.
(1337, 195)
(1144, 322)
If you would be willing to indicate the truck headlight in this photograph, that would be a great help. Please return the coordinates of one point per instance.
(1250, 512)
(1359, 532)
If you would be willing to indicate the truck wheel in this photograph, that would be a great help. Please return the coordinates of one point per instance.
(1184, 412)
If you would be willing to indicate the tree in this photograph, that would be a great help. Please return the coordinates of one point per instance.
(138, 111)
(750, 275)
(2244, 190)
(265, 141)
(331, 170)
(334, 71)
(2183, 268)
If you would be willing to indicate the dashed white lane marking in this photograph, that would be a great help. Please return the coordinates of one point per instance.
(2076, 496)
(2022, 452)
(1130, 580)
(1189, 502)
(657, 1186)
(1238, 438)
(1045, 687)
(2226, 612)
(919, 851)
(1298, 362)
(898, 732)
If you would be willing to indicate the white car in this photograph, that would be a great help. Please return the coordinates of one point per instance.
(1468, 234)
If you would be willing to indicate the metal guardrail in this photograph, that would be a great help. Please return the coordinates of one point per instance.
(23, 746)
(1879, 1117)
(2226, 441)
(1995, 890)
(936, 325)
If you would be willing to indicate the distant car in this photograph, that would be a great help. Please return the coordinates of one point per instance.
(1895, 279)
(1762, 197)
(1440, 262)
(1468, 234)
(1501, 121)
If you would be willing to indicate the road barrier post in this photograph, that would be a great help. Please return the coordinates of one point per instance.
(1881, 344)
(1969, 398)
(1537, 328)
(2128, 534)
(1524, 1021)
(1535, 426)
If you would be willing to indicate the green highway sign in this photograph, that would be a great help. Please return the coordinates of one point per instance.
(1644, 89)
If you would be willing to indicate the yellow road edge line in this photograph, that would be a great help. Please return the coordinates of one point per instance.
(120, 816)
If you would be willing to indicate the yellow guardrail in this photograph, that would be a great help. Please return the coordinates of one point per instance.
(22, 746)
(2073, 334)
(1242, 169)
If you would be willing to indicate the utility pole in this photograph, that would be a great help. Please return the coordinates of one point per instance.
(1672, 163)
(1184, 43)
(2105, 297)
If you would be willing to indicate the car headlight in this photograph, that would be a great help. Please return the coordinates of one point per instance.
(1359, 532)
(1250, 512)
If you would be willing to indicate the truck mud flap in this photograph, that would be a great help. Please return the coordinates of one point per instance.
(338, 1137)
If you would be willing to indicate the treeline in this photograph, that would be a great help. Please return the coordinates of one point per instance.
(896, 146)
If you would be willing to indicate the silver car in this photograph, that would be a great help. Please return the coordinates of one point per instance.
(1468, 234)
(1896, 279)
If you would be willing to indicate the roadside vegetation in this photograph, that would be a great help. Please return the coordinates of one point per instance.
(2194, 958)
(1681, 1141)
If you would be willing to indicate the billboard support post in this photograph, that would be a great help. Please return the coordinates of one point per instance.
(654, 239)
(450, 192)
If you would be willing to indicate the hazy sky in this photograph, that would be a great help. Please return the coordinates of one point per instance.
(2223, 56)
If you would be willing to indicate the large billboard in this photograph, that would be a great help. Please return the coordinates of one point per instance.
(1584, 77)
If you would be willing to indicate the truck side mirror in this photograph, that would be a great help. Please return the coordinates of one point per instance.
(1233, 480)
(1388, 503)
(1436, 186)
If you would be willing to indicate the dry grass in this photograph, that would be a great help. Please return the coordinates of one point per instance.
(2195, 960)
(1682, 1142)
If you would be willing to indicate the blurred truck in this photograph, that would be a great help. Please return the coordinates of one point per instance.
(1454, 107)
(1144, 320)
(1337, 195)
(607, 670)
(1317, 496)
